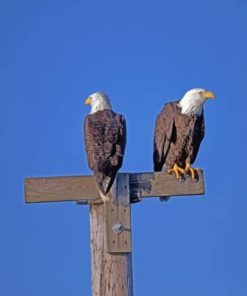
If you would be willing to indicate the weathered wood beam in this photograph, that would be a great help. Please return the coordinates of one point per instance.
(50, 189)
(162, 184)
(110, 232)
(77, 188)
(118, 217)
(111, 273)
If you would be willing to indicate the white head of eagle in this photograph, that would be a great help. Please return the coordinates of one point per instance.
(99, 101)
(192, 102)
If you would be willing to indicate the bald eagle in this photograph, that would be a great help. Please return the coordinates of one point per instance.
(105, 139)
(178, 133)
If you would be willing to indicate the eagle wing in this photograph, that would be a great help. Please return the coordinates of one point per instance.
(162, 136)
(198, 135)
(89, 144)
(105, 140)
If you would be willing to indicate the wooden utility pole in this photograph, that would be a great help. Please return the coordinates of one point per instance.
(111, 243)
(111, 273)
(110, 222)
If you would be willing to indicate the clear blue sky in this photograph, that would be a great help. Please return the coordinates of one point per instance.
(53, 54)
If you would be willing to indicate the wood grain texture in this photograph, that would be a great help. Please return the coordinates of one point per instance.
(118, 213)
(61, 189)
(163, 184)
(84, 188)
(111, 273)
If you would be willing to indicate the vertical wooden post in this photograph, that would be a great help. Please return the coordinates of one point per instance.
(111, 272)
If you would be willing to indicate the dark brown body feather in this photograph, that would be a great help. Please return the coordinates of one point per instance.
(177, 137)
(105, 139)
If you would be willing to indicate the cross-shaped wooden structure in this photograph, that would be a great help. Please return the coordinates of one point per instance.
(110, 222)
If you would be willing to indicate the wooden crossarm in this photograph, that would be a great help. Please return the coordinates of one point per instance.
(77, 188)
(161, 184)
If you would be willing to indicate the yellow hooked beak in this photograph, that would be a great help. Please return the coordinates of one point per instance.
(88, 101)
(208, 95)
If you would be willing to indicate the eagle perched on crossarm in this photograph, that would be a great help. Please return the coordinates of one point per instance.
(105, 140)
(178, 133)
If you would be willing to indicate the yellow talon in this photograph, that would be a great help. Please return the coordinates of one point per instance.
(192, 171)
(177, 170)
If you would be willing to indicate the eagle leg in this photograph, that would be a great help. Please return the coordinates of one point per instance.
(191, 171)
(177, 170)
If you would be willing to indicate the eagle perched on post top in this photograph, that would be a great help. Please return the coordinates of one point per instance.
(105, 140)
(178, 133)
